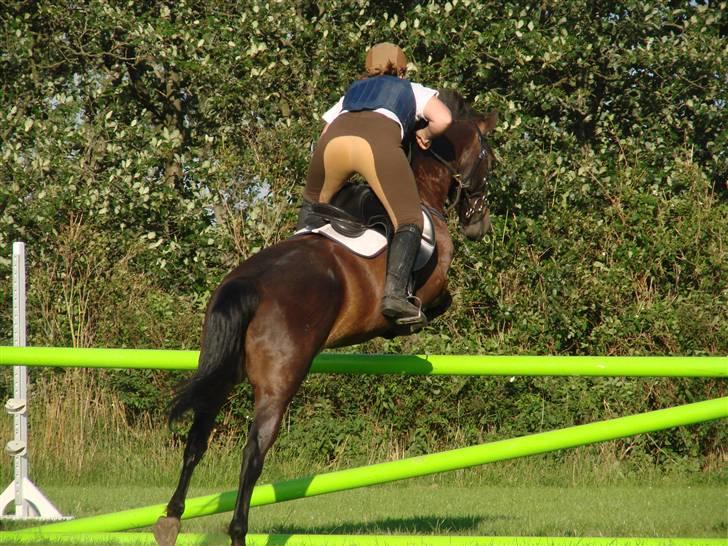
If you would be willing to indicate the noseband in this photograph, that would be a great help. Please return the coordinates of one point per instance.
(473, 189)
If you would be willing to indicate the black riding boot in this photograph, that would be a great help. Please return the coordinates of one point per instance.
(402, 252)
(306, 218)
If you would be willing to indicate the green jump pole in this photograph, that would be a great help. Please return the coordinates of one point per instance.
(195, 539)
(66, 357)
(612, 366)
(409, 468)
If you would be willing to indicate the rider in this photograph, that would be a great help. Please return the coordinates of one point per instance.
(364, 133)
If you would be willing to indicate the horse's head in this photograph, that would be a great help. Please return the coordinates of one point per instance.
(474, 162)
(465, 159)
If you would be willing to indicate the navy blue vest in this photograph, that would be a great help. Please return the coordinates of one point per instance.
(390, 92)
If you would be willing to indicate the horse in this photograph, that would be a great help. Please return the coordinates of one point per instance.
(270, 316)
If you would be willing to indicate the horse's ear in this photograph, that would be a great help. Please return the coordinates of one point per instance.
(488, 122)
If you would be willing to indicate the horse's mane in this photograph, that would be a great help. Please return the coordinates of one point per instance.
(458, 106)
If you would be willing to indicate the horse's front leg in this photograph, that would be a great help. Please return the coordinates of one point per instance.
(261, 435)
(439, 305)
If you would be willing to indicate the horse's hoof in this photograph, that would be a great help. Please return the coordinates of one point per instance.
(166, 531)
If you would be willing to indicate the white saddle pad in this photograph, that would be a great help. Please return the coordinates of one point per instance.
(368, 244)
(371, 242)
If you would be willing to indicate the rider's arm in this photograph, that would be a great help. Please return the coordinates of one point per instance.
(331, 113)
(438, 118)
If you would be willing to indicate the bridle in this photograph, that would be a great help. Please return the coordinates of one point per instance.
(473, 189)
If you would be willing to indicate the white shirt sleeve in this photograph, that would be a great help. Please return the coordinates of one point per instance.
(334, 111)
(422, 96)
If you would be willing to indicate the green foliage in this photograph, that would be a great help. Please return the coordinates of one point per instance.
(146, 148)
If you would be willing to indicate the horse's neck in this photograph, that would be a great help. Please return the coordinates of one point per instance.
(432, 181)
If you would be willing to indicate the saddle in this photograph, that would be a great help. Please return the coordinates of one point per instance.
(357, 219)
(353, 210)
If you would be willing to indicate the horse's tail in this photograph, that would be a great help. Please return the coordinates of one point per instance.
(221, 363)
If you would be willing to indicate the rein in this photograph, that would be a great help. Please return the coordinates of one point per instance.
(480, 202)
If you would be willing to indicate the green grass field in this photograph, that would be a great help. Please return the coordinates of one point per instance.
(462, 503)
(428, 506)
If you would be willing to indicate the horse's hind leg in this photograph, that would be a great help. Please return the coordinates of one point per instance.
(167, 528)
(262, 433)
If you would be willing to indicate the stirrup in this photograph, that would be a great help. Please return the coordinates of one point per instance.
(412, 321)
(408, 320)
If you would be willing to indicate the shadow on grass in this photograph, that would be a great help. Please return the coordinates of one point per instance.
(412, 525)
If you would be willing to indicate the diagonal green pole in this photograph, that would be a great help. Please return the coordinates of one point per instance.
(409, 468)
(612, 366)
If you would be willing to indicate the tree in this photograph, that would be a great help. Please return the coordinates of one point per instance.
(148, 147)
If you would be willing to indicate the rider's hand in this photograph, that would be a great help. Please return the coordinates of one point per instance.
(423, 138)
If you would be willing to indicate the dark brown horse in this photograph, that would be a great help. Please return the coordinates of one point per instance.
(274, 313)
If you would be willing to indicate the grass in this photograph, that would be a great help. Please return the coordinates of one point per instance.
(434, 506)
(89, 460)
